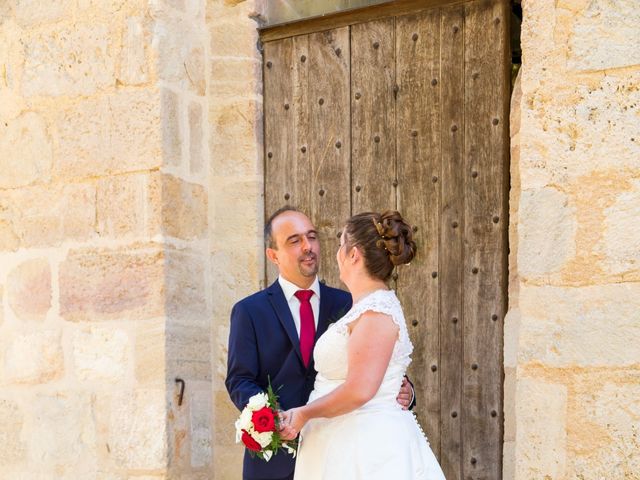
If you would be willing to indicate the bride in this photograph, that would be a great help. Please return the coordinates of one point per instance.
(352, 427)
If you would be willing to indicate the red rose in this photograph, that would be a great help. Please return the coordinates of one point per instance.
(249, 442)
(263, 420)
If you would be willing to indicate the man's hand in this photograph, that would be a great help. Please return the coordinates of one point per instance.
(291, 422)
(405, 396)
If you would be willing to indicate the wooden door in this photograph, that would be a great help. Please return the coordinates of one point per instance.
(408, 109)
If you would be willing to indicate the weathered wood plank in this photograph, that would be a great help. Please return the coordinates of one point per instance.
(329, 172)
(451, 225)
(418, 164)
(302, 135)
(280, 185)
(486, 93)
(373, 116)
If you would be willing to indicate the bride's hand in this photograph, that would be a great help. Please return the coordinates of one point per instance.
(291, 422)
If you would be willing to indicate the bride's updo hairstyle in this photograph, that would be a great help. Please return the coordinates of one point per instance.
(385, 241)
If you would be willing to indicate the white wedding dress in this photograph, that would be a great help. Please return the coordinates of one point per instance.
(378, 441)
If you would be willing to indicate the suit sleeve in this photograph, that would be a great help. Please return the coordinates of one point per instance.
(242, 363)
(413, 390)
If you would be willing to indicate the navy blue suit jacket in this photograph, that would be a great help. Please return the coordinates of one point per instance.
(264, 343)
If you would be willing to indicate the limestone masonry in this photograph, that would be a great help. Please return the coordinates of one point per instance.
(131, 207)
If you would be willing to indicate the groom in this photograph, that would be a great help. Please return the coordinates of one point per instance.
(273, 331)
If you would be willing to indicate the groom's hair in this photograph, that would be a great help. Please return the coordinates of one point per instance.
(268, 226)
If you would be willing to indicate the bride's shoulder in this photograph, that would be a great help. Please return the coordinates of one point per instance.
(380, 301)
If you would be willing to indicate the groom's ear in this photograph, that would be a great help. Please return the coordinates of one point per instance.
(272, 255)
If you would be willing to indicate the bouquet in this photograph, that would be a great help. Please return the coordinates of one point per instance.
(257, 427)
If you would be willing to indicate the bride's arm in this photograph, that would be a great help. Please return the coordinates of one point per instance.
(370, 346)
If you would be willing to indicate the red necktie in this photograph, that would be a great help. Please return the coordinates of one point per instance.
(307, 325)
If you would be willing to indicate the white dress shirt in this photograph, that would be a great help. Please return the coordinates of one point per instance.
(289, 289)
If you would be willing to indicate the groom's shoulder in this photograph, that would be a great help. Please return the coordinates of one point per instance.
(255, 298)
(259, 298)
(337, 293)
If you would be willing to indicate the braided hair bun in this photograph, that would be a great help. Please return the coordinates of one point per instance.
(386, 240)
(396, 237)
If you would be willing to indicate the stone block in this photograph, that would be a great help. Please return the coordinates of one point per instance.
(13, 449)
(237, 121)
(9, 240)
(31, 358)
(109, 134)
(181, 54)
(195, 9)
(582, 127)
(221, 345)
(124, 206)
(101, 354)
(32, 12)
(227, 455)
(185, 288)
(509, 392)
(541, 410)
(226, 42)
(29, 289)
(546, 240)
(508, 459)
(196, 138)
(587, 326)
(48, 215)
(188, 352)
(78, 60)
(184, 208)
(56, 444)
(103, 284)
(150, 352)
(133, 68)
(243, 276)
(621, 240)
(177, 4)
(511, 337)
(137, 429)
(236, 76)
(603, 429)
(172, 127)
(107, 8)
(236, 133)
(194, 65)
(11, 64)
(200, 423)
(605, 36)
(26, 152)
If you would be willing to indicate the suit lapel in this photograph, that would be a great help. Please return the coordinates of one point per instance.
(326, 304)
(282, 311)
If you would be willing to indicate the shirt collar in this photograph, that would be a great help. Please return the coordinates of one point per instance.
(289, 289)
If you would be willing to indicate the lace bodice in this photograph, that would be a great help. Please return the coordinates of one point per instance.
(330, 353)
(345, 447)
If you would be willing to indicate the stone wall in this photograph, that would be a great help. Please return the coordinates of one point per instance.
(572, 359)
(105, 276)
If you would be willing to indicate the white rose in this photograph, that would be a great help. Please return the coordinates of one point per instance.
(263, 439)
(244, 422)
(238, 431)
(258, 401)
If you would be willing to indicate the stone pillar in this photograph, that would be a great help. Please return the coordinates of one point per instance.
(236, 185)
(571, 355)
(105, 277)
